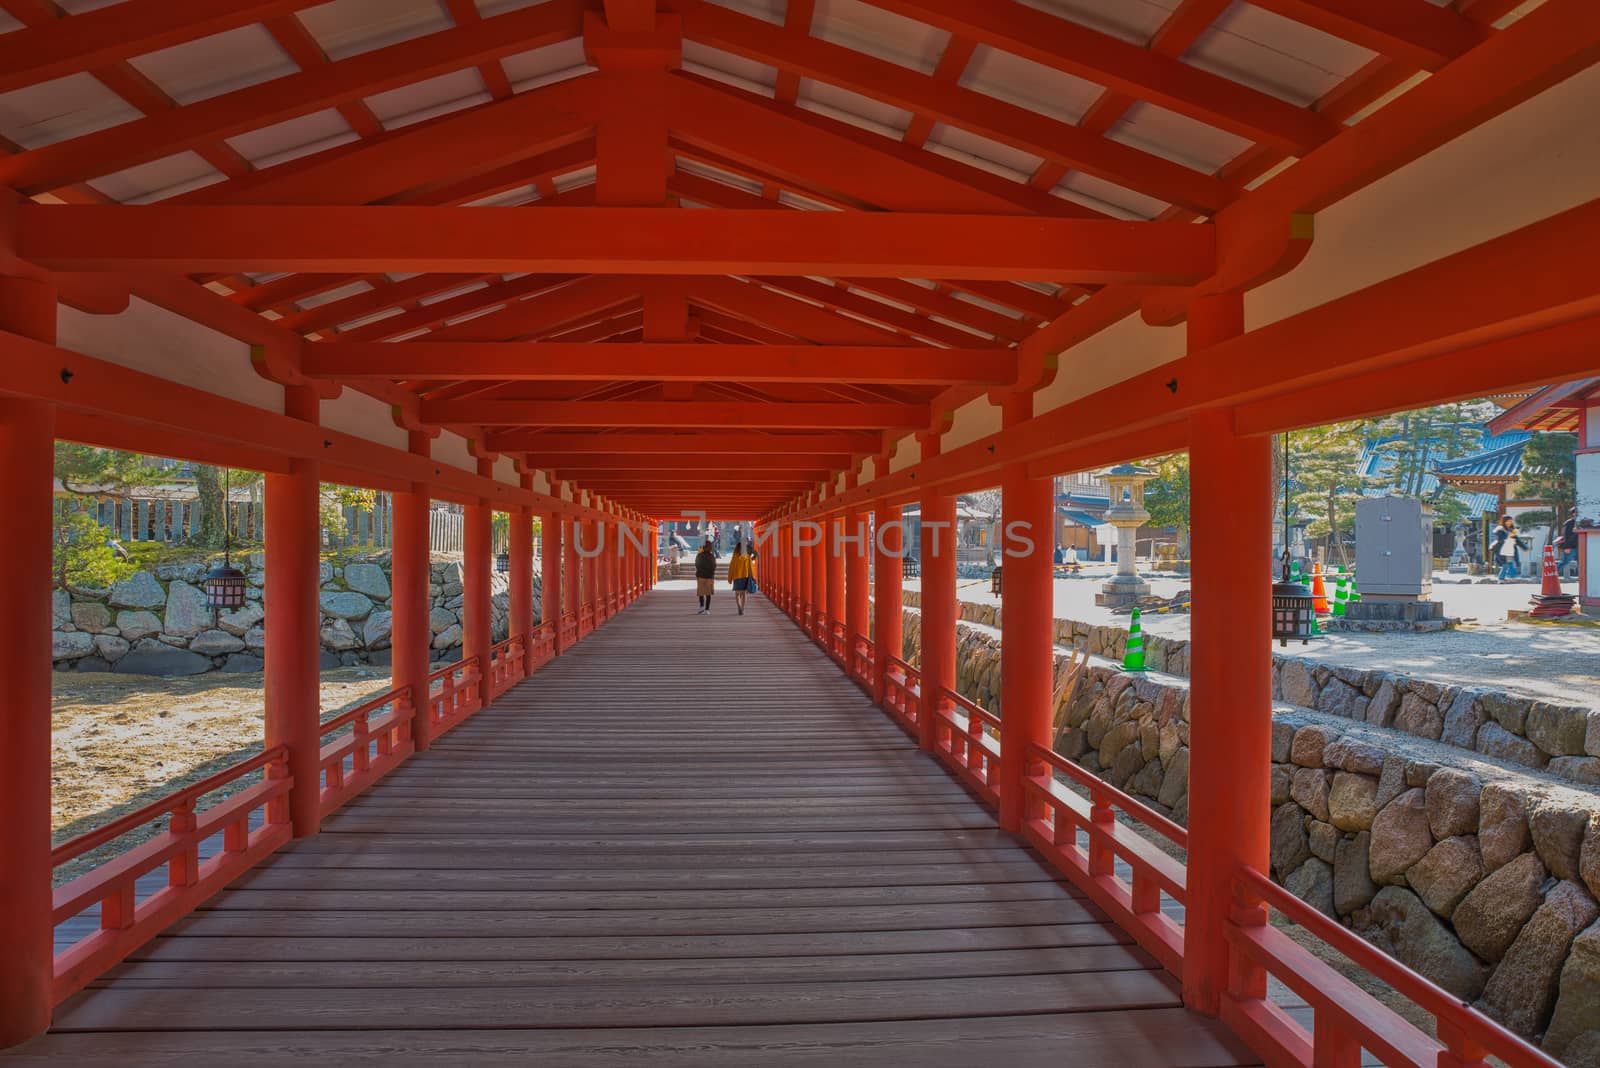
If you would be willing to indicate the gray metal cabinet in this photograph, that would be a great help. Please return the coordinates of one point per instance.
(1394, 547)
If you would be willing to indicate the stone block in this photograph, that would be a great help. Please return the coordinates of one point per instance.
(1502, 825)
(1282, 741)
(187, 611)
(346, 606)
(1339, 698)
(1446, 873)
(1290, 844)
(377, 629)
(1491, 916)
(139, 590)
(1312, 882)
(1584, 769)
(1494, 740)
(60, 607)
(240, 621)
(1381, 709)
(368, 579)
(1323, 838)
(1522, 991)
(110, 647)
(1309, 788)
(152, 658)
(1353, 887)
(243, 663)
(1352, 801)
(1295, 684)
(1577, 1011)
(1453, 802)
(91, 616)
(1556, 729)
(1282, 780)
(448, 638)
(65, 646)
(337, 636)
(1419, 716)
(1352, 754)
(1462, 720)
(1309, 743)
(1400, 835)
(1408, 930)
(215, 643)
(1558, 826)
(1175, 786)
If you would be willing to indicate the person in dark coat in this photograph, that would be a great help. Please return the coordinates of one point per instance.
(1567, 544)
(705, 576)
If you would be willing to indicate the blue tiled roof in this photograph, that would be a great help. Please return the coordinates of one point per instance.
(1088, 500)
(1376, 464)
(1083, 519)
(1503, 463)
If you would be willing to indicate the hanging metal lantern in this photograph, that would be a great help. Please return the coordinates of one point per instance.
(502, 563)
(224, 586)
(1294, 610)
(994, 581)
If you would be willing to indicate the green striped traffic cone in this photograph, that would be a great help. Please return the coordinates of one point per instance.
(1133, 657)
(1294, 572)
(1341, 593)
(1355, 591)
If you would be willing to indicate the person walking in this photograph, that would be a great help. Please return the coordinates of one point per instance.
(705, 576)
(1506, 549)
(740, 574)
(1567, 544)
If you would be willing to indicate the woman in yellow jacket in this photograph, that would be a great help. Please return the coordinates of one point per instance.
(742, 574)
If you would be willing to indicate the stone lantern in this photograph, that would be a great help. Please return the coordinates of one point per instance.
(1125, 483)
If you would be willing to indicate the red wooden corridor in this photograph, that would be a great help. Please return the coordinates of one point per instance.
(692, 842)
(799, 263)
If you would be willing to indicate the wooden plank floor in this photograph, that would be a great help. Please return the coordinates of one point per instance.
(690, 841)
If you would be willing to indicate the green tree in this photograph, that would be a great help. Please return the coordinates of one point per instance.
(1166, 497)
(90, 472)
(1549, 473)
(213, 485)
(82, 554)
(1325, 480)
(333, 501)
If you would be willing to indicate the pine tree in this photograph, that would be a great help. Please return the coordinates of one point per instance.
(1549, 474)
(1166, 497)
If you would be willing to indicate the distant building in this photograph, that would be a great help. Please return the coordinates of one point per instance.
(1571, 407)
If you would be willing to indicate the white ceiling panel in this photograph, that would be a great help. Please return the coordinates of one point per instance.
(795, 200)
(1177, 137)
(541, 66)
(1112, 199)
(728, 68)
(1277, 55)
(1031, 85)
(426, 99)
(853, 108)
(992, 156)
(880, 33)
(716, 174)
(317, 300)
(302, 136)
(1131, 20)
(490, 8)
(350, 27)
(60, 110)
(159, 179)
(575, 179)
(765, 10)
(211, 66)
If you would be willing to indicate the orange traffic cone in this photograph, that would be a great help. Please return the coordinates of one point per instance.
(1550, 602)
(1319, 592)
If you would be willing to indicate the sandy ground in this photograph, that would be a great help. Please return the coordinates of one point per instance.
(1556, 663)
(121, 741)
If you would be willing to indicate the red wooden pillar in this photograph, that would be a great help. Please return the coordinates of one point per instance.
(478, 545)
(804, 532)
(888, 548)
(857, 545)
(550, 593)
(819, 570)
(27, 442)
(294, 621)
(572, 588)
(589, 571)
(834, 554)
(938, 600)
(519, 543)
(1230, 687)
(411, 573)
(1028, 507)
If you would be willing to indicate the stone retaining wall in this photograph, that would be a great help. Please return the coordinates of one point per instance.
(157, 622)
(1477, 872)
(1561, 739)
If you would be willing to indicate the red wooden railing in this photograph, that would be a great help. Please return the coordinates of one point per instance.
(1084, 840)
(541, 645)
(967, 740)
(586, 619)
(569, 629)
(126, 922)
(862, 660)
(902, 694)
(353, 762)
(1346, 1019)
(457, 696)
(505, 666)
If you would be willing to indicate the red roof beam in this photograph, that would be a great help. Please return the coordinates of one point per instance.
(717, 414)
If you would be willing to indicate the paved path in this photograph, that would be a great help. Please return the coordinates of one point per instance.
(691, 841)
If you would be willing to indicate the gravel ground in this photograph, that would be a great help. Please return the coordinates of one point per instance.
(1552, 662)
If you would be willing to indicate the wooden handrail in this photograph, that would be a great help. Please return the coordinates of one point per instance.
(1347, 1015)
(1175, 833)
(89, 840)
(365, 709)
